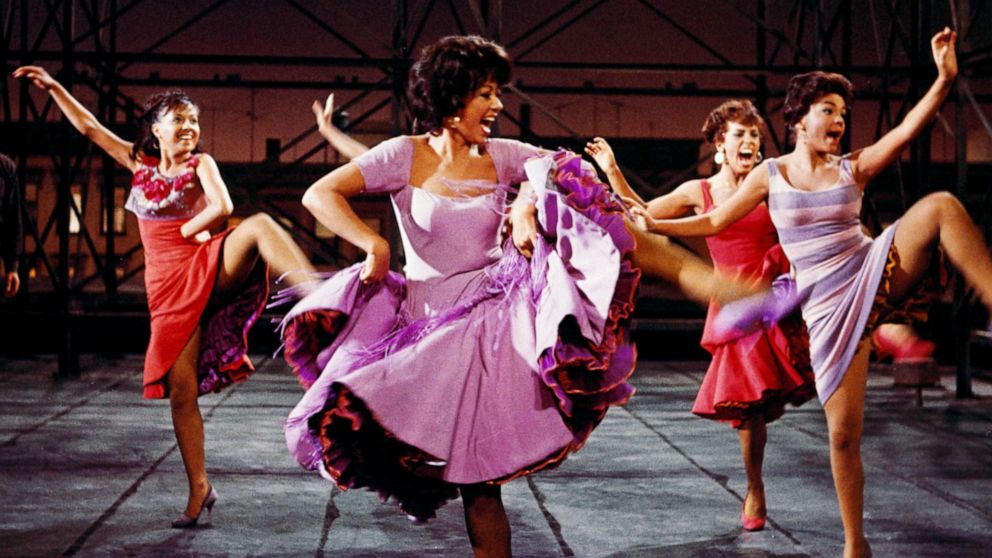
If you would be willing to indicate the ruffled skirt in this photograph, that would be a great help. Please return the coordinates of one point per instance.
(508, 381)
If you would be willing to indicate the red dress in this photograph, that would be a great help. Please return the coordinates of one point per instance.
(179, 282)
(759, 372)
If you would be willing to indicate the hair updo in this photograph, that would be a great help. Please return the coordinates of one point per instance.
(157, 105)
(805, 89)
(447, 72)
(740, 111)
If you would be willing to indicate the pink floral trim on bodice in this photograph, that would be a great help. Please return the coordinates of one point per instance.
(156, 196)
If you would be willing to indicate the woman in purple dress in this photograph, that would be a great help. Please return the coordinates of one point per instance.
(483, 362)
(849, 281)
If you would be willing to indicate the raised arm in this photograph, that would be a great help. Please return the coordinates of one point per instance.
(868, 162)
(219, 204)
(340, 141)
(602, 153)
(82, 119)
(752, 192)
(327, 200)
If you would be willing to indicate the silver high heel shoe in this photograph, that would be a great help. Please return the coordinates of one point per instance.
(184, 521)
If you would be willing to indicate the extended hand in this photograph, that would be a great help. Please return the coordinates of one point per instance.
(38, 76)
(324, 113)
(602, 153)
(944, 55)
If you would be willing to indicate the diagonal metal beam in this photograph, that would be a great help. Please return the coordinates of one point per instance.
(519, 56)
(543, 23)
(178, 30)
(684, 31)
(327, 27)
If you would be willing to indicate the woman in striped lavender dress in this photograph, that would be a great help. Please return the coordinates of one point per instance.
(849, 281)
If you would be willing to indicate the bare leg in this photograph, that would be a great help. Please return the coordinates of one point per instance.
(658, 256)
(753, 434)
(939, 219)
(260, 236)
(845, 421)
(486, 521)
(188, 423)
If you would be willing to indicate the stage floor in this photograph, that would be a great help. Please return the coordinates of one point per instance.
(88, 468)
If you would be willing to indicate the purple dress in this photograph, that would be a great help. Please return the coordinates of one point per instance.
(479, 365)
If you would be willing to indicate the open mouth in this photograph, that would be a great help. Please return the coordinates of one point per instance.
(487, 125)
(745, 155)
(835, 135)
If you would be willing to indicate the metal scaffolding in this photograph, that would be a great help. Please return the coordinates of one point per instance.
(790, 36)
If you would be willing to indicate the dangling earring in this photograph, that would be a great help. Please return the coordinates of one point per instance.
(453, 121)
(759, 158)
(719, 158)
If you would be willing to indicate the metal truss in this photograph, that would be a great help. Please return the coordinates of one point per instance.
(790, 36)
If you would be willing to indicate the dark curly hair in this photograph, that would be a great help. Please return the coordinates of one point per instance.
(447, 72)
(157, 105)
(740, 111)
(805, 89)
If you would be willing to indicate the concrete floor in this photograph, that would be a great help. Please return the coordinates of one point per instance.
(88, 468)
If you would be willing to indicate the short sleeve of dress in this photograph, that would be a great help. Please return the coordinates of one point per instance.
(386, 167)
(509, 157)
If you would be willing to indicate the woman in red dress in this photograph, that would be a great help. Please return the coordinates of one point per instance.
(204, 292)
(753, 374)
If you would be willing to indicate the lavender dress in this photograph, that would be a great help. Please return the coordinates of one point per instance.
(838, 267)
(479, 365)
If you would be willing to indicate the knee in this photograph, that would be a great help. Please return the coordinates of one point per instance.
(182, 395)
(943, 205)
(261, 224)
(845, 440)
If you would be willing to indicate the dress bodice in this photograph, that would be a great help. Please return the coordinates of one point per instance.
(156, 196)
(743, 246)
(448, 241)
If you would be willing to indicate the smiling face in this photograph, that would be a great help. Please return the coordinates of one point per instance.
(178, 129)
(824, 124)
(475, 120)
(740, 145)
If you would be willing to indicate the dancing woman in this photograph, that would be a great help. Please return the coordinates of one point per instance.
(752, 375)
(850, 281)
(204, 292)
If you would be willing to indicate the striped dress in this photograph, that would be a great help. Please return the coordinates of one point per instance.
(838, 268)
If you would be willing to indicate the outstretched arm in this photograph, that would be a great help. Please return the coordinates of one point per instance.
(340, 141)
(327, 200)
(871, 160)
(602, 153)
(683, 200)
(82, 119)
(743, 201)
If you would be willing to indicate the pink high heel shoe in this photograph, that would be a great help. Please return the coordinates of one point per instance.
(911, 349)
(184, 521)
(751, 523)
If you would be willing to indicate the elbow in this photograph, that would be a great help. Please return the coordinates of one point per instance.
(310, 199)
(225, 208)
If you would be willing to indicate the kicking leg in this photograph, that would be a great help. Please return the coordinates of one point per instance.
(939, 219)
(260, 236)
(658, 256)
